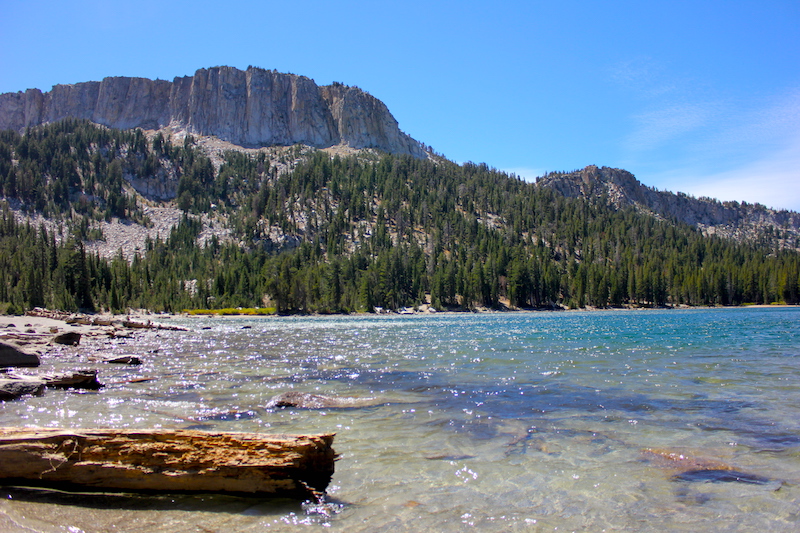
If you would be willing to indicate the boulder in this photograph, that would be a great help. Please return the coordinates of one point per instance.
(11, 389)
(69, 338)
(11, 356)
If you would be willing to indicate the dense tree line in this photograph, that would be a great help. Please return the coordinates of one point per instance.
(76, 170)
(347, 234)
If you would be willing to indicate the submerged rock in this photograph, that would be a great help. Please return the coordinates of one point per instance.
(710, 475)
(305, 400)
(687, 467)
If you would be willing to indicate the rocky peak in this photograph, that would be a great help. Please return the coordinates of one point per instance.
(249, 108)
(734, 220)
(365, 122)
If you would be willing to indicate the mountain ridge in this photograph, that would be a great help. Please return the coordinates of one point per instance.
(738, 221)
(257, 108)
(250, 108)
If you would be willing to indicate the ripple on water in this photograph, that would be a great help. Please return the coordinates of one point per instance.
(504, 422)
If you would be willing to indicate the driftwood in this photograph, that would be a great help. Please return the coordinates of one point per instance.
(13, 385)
(687, 467)
(131, 360)
(80, 379)
(306, 400)
(92, 320)
(167, 461)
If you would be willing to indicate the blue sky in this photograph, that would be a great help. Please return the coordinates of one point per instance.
(701, 96)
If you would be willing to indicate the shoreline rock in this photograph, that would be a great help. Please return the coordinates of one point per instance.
(12, 356)
(11, 389)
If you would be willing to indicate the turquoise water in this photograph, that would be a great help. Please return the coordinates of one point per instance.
(495, 422)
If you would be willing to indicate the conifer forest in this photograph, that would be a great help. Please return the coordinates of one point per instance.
(343, 234)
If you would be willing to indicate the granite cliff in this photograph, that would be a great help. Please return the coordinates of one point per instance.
(257, 108)
(249, 108)
(734, 220)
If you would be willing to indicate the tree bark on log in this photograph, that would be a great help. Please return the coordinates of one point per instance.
(297, 466)
(80, 379)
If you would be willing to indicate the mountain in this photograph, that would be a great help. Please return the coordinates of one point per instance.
(261, 108)
(744, 222)
(251, 108)
(160, 195)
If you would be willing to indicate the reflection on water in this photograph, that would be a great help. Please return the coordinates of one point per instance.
(503, 422)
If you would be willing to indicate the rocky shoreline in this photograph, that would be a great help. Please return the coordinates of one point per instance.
(36, 350)
(25, 339)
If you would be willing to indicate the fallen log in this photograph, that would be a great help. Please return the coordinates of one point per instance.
(163, 460)
(79, 379)
(306, 400)
(132, 324)
(124, 360)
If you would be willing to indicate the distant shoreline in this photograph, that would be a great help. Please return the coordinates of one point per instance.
(76, 321)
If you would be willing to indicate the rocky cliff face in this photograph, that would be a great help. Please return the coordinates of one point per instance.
(734, 220)
(249, 108)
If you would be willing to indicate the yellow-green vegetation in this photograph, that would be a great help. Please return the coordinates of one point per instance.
(233, 311)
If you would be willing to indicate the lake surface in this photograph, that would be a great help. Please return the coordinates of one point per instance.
(568, 421)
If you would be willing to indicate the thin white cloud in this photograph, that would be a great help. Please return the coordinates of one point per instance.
(644, 77)
(709, 141)
(672, 107)
(758, 152)
(773, 181)
(658, 126)
(773, 120)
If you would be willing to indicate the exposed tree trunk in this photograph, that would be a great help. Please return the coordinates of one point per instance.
(168, 461)
(80, 379)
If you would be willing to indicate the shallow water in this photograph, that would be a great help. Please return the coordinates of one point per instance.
(497, 422)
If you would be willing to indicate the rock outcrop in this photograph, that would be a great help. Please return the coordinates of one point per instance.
(249, 108)
(12, 356)
(733, 220)
(11, 389)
